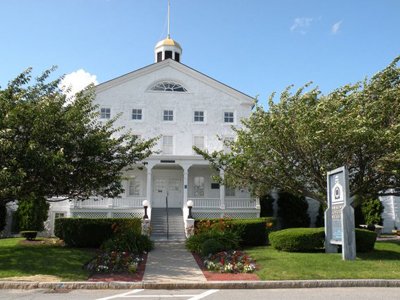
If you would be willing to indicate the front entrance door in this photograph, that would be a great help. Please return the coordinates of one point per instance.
(166, 185)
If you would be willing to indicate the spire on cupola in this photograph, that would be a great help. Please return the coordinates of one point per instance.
(167, 48)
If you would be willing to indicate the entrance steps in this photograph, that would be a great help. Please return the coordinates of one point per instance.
(176, 226)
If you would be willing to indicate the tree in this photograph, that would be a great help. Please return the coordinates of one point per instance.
(53, 147)
(291, 146)
(32, 212)
(292, 211)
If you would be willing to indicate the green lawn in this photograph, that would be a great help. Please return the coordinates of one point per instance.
(24, 260)
(382, 263)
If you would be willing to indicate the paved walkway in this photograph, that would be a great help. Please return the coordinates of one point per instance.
(171, 262)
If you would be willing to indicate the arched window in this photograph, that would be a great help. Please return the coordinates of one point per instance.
(168, 86)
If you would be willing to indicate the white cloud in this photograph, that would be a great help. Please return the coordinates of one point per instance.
(336, 27)
(301, 25)
(76, 81)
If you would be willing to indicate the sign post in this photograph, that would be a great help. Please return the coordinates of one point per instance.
(339, 216)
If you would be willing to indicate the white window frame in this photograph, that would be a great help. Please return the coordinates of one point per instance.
(164, 145)
(199, 187)
(134, 187)
(194, 116)
(166, 114)
(141, 114)
(105, 113)
(227, 138)
(226, 117)
(230, 192)
(194, 142)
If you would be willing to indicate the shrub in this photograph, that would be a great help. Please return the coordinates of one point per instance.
(211, 246)
(228, 239)
(128, 242)
(29, 234)
(32, 212)
(266, 206)
(312, 239)
(252, 232)
(298, 239)
(365, 240)
(292, 211)
(3, 216)
(80, 232)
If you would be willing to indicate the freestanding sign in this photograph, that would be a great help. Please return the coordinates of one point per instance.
(339, 216)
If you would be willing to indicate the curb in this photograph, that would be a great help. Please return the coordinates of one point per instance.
(284, 284)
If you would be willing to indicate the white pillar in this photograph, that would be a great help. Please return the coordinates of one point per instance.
(185, 185)
(149, 184)
(222, 191)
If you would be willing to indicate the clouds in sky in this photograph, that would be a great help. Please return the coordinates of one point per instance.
(301, 25)
(336, 27)
(76, 81)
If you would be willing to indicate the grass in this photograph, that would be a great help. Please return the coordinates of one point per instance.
(382, 263)
(18, 259)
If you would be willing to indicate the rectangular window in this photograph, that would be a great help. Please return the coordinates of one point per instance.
(214, 186)
(59, 215)
(137, 114)
(198, 116)
(177, 58)
(229, 117)
(105, 113)
(227, 140)
(198, 141)
(198, 187)
(168, 115)
(134, 187)
(229, 192)
(167, 144)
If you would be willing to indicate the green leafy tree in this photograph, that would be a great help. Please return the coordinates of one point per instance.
(292, 211)
(32, 212)
(372, 210)
(292, 145)
(51, 146)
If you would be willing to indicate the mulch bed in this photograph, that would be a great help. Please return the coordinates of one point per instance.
(214, 276)
(138, 276)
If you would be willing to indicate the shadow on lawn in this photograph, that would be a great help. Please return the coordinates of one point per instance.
(37, 259)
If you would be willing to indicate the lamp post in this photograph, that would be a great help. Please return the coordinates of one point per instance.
(145, 205)
(190, 205)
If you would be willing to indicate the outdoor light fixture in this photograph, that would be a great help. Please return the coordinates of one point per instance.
(190, 205)
(145, 205)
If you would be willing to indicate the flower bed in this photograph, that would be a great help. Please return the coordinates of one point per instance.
(230, 262)
(114, 262)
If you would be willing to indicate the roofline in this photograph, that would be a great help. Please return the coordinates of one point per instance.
(168, 61)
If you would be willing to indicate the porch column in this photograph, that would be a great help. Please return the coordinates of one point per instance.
(222, 191)
(185, 185)
(149, 183)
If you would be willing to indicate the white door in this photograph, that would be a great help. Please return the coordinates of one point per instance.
(167, 187)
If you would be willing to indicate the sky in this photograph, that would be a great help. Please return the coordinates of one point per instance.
(256, 46)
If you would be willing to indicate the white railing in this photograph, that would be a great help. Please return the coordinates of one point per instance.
(108, 202)
(206, 202)
(240, 203)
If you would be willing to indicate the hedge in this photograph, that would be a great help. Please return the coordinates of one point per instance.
(254, 232)
(298, 239)
(312, 239)
(365, 240)
(82, 232)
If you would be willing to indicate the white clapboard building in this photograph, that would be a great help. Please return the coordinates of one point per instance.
(184, 108)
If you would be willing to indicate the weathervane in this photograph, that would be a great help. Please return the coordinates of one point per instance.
(169, 4)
